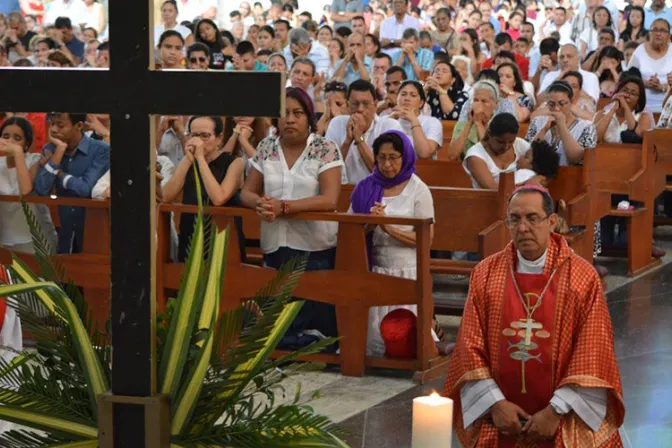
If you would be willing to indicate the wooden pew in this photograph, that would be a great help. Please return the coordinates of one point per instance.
(89, 269)
(482, 232)
(350, 286)
(573, 184)
(662, 148)
(631, 170)
(576, 186)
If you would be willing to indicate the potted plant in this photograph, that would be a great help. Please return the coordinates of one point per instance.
(214, 365)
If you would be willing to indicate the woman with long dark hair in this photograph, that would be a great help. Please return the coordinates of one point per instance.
(208, 33)
(626, 118)
(471, 48)
(634, 28)
(607, 67)
(445, 92)
(511, 86)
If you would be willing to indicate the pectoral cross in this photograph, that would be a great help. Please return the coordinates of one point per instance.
(529, 325)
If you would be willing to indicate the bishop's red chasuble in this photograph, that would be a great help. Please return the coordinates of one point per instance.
(533, 334)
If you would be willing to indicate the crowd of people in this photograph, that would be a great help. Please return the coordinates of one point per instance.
(368, 88)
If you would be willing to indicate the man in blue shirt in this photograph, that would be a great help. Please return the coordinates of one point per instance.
(413, 59)
(74, 45)
(75, 162)
(656, 11)
(356, 64)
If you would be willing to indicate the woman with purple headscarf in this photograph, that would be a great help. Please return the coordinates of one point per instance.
(392, 189)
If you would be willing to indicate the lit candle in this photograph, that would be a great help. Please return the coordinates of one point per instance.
(432, 422)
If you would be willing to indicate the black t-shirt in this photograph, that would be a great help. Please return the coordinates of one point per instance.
(219, 168)
(217, 59)
(25, 40)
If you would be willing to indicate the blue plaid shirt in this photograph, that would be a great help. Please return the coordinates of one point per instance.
(424, 58)
(82, 168)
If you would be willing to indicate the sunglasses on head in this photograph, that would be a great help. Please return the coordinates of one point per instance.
(199, 59)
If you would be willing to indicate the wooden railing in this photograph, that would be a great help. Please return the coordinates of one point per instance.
(350, 287)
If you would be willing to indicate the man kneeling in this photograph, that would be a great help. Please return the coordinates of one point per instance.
(534, 362)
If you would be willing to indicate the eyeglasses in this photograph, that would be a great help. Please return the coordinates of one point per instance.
(354, 105)
(199, 59)
(553, 105)
(631, 93)
(658, 30)
(201, 135)
(513, 221)
(381, 159)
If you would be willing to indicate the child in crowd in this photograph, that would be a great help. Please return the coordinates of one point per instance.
(539, 165)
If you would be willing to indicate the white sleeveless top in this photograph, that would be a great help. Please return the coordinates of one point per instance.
(520, 147)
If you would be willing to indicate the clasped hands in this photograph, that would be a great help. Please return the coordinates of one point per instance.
(506, 416)
(268, 208)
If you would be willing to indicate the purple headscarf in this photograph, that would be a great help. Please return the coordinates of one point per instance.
(370, 190)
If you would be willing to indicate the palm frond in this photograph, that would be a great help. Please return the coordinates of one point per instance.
(29, 439)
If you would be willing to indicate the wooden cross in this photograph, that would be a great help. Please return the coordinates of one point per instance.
(529, 325)
(131, 92)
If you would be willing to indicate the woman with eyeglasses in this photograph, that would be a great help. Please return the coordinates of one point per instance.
(626, 118)
(292, 172)
(220, 174)
(569, 135)
(445, 92)
(654, 61)
(425, 131)
(392, 189)
(583, 106)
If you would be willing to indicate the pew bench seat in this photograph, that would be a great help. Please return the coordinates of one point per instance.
(637, 211)
(453, 267)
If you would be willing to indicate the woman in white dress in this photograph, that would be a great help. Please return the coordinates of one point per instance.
(95, 15)
(18, 169)
(169, 17)
(392, 189)
(497, 153)
(425, 131)
(654, 60)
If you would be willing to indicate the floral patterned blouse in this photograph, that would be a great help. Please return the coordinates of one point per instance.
(582, 130)
(298, 182)
(458, 98)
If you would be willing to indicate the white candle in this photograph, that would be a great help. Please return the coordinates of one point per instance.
(432, 422)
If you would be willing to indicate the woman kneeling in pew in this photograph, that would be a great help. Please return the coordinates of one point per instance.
(392, 189)
(297, 171)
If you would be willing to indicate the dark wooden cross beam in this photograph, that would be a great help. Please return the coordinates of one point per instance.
(131, 92)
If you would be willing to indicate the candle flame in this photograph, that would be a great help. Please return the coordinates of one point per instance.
(434, 394)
